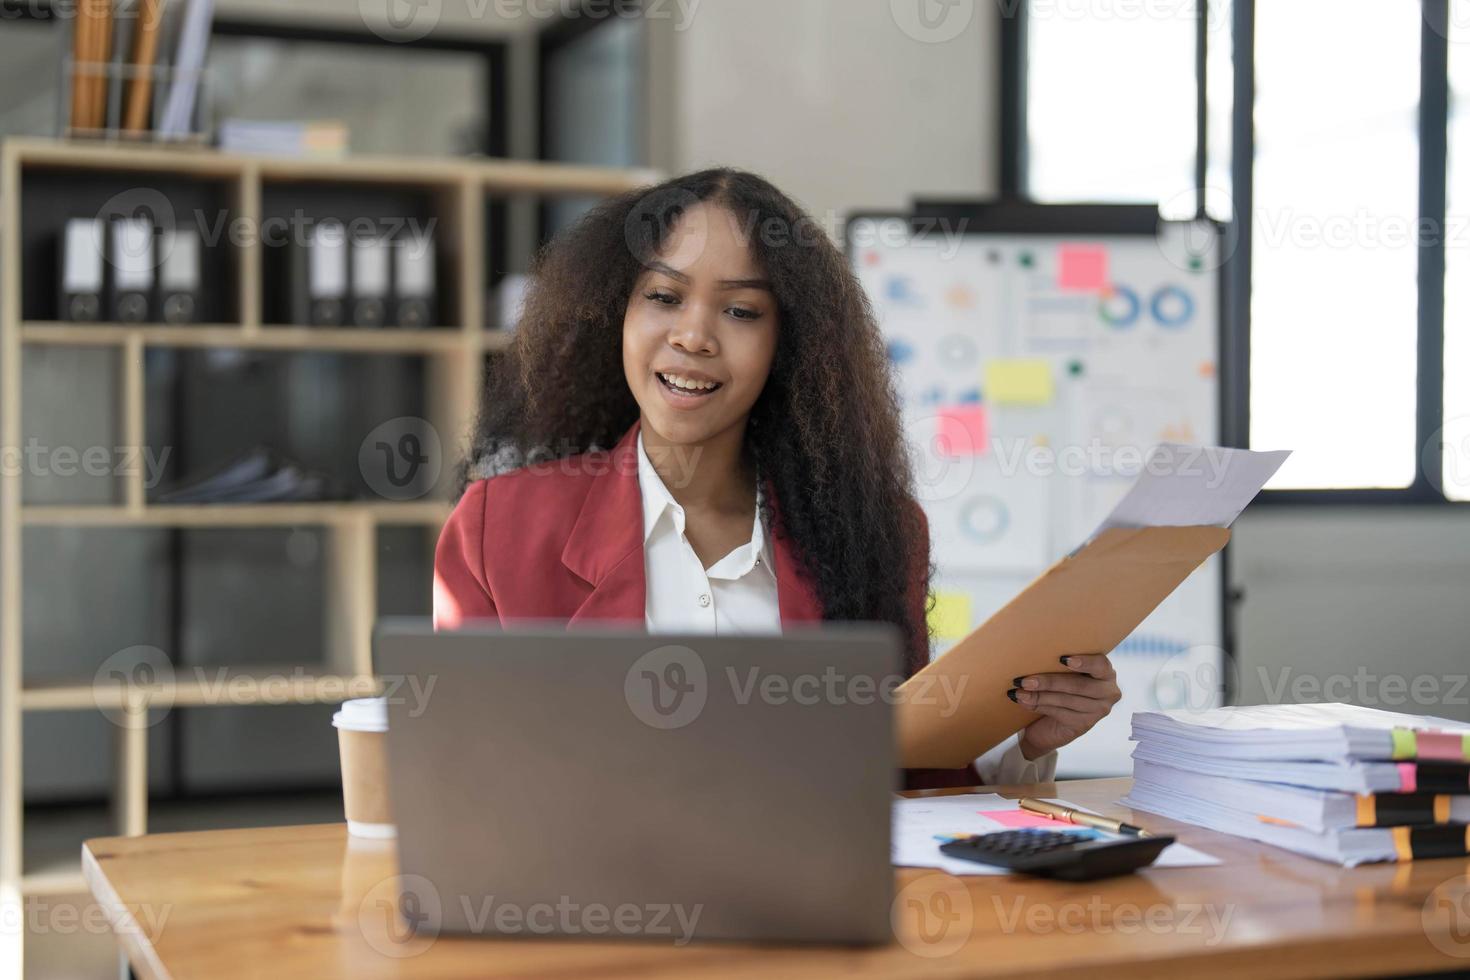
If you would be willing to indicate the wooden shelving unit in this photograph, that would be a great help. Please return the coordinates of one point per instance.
(453, 356)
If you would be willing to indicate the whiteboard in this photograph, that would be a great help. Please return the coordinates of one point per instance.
(1035, 372)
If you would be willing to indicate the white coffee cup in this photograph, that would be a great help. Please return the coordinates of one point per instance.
(362, 735)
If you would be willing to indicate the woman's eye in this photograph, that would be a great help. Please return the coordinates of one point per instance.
(741, 313)
(667, 299)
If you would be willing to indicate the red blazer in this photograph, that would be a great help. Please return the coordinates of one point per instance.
(563, 540)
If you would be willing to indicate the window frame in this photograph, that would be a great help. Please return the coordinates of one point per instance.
(1236, 342)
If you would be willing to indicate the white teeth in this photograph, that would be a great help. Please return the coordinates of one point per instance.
(689, 383)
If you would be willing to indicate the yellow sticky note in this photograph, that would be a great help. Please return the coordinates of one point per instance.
(950, 617)
(1019, 381)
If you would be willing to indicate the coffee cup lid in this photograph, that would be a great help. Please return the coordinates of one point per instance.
(363, 715)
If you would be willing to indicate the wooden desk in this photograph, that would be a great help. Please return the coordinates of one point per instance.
(289, 902)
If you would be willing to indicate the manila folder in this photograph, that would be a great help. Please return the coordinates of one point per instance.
(956, 708)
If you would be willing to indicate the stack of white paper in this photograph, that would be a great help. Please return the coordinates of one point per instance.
(1193, 486)
(1334, 781)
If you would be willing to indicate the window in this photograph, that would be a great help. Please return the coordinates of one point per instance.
(1130, 139)
(1340, 167)
(1333, 257)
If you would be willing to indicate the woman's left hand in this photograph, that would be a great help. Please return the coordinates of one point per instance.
(1069, 703)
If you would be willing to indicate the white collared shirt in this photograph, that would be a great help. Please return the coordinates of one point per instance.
(737, 594)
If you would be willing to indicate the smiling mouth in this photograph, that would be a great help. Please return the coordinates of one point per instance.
(688, 387)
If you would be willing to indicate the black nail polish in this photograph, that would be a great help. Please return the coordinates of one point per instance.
(1012, 695)
(1016, 682)
(1064, 661)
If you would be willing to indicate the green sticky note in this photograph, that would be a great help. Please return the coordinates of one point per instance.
(1405, 745)
(950, 617)
(1019, 381)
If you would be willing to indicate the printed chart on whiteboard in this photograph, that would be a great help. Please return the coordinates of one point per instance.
(1036, 371)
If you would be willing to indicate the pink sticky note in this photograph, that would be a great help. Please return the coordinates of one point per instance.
(1024, 818)
(1082, 267)
(963, 430)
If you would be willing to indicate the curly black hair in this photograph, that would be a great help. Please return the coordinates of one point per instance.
(825, 430)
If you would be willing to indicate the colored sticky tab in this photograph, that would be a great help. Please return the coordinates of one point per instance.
(1082, 267)
(1441, 746)
(963, 431)
(1403, 743)
(950, 617)
(1019, 381)
(1025, 818)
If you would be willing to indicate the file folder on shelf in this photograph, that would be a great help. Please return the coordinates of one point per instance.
(131, 258)
(178, 275)
(413, 262)
(319, 276)
(370, 271)
(81, 269)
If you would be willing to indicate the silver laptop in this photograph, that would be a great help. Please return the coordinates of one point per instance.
(606, 783)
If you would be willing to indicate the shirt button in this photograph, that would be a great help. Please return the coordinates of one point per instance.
(704, 598)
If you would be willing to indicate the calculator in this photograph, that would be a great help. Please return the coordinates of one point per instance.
(1066, 854)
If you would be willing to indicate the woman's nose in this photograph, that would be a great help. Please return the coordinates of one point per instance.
(694, 333)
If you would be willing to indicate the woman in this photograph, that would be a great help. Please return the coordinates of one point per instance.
(709, 333)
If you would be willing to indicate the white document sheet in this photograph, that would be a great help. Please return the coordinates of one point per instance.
(1193, 486)
(918, 822)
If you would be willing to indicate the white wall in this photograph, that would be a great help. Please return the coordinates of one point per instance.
(1357, 604)
(833, 102)
(837, 105)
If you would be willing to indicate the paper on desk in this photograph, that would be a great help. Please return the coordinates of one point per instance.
(918, 821)
(1193, 486)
